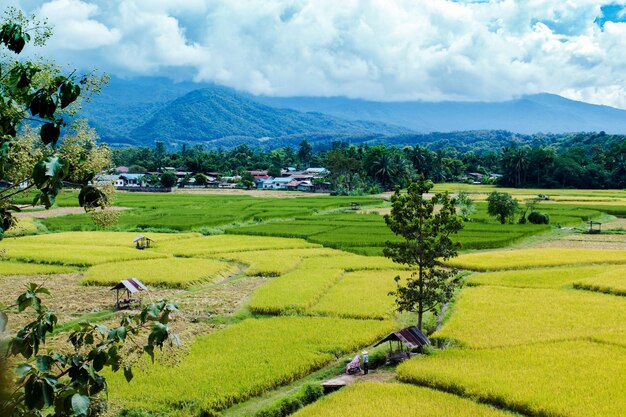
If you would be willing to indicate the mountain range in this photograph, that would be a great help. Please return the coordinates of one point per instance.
(143, 110)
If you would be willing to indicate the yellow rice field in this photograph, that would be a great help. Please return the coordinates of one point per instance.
(210, 245)
(167, 272)
(372, 399)
(244, 360)
(573, 378)
(486, 317)
(611, 282)
(536, 258)
(119, 239)
(8, 268)
(538, 278)
(362, 294)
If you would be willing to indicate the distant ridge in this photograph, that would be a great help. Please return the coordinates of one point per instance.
(540, 113)
(143, 110)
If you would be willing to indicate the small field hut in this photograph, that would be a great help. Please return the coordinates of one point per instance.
(407, 338)
(127, 289)
(143, 242)
(592, 227)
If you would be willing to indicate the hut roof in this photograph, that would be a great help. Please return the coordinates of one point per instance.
(133, 285)
(142, 237)
(410, 336)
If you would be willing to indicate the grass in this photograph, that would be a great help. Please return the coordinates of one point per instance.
(487, 317)
(9, 268)
(537, 278)
(262, 354)
(610, 282)
(536, 258)
(168, 272)
(362, 294)
(573, 378)
(117, 239)
(372, 399)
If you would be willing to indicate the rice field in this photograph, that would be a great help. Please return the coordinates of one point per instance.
(362, 294)
(275, 262)
(13, 268)
(228, 244)
(610, 282)
(244, 360)
(488, 317)
(570, 378)
(167, 272)
(295, 291)
(73, 255)
(538, 278)
(372, 399)
(536, 258)
(117, 239)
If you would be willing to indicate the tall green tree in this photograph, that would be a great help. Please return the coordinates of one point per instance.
(427, 235)
(502, 206)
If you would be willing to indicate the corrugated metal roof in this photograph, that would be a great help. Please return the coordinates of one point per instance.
(133, 285)
(410, 336)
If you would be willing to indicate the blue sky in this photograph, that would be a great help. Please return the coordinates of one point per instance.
(371, 49)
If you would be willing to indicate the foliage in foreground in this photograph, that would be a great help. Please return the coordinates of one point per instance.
(262, 354)
(68, 382)
(573, 379)
(375, 399)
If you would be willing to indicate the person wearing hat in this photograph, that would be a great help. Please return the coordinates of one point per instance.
(366, 361)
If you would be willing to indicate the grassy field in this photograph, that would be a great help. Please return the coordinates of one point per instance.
(395, 400)
(538, 278)
(168, 272)
(612, 281)
(244, 360)
(574, 379)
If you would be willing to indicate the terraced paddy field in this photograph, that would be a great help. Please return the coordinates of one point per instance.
(537, 331)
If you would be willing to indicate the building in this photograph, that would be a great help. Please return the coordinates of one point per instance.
(276, 183)
(132, 180)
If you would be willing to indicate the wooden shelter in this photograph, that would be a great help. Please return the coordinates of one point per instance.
(409, 338)
(143, 242)
(128, 287)
(355, 205)
(592, 229)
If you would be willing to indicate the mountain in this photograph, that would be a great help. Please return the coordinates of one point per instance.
(142, 110)
(216, 112)
(545, 113)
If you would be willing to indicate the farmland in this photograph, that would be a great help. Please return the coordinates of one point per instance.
(296, 286)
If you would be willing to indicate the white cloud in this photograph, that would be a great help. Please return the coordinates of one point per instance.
(373, 49)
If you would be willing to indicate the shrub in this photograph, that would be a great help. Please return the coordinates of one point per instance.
(311, 393)
(538, 218)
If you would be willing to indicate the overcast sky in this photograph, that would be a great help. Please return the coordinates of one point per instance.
(371, 49)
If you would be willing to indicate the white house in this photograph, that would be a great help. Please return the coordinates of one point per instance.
(275, 183)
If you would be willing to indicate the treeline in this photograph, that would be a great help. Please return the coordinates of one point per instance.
(577, 161)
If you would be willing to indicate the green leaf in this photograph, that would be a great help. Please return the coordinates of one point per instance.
(99, 361)
(50, 133)
(80, 405)
(22, 369)
(44, 363)
(91, 197)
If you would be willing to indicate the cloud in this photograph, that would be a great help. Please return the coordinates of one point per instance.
(372, 49)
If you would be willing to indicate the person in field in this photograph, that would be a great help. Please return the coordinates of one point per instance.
(366, 363)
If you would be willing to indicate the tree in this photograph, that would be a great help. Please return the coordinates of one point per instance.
(427, 241)
(37, 92)
(200, 179)
(305, 152)
(68, 381)
(247, 180)
(465, 206)
(501, 205)
(168, 179)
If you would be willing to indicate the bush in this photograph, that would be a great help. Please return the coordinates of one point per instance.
(377, 359)
(289, 405)
(311, 393)
(538, 218)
